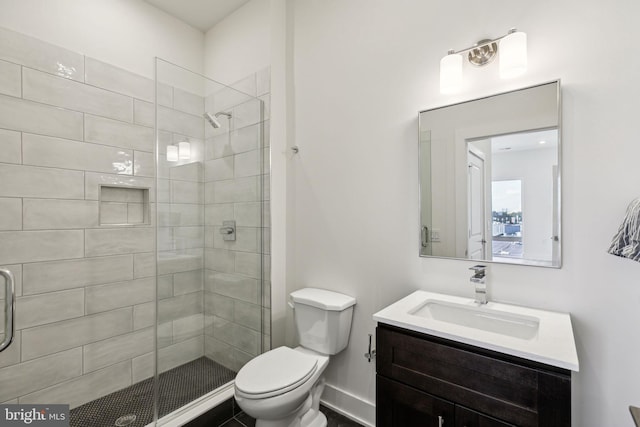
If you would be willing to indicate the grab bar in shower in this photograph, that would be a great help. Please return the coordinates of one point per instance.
(9, 308)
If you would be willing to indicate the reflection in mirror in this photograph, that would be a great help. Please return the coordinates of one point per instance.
(490, 178)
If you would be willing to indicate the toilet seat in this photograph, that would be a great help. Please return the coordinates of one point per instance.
(275, 372)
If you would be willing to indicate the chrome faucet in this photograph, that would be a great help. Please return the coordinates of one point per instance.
(478, 278)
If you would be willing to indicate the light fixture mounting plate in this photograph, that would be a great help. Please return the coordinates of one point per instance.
(483, 53)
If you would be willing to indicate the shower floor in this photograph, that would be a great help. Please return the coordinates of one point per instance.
(178, 387)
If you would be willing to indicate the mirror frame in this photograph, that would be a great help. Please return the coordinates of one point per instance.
(557, 214)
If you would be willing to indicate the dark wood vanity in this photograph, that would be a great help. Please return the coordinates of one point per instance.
(424, 380)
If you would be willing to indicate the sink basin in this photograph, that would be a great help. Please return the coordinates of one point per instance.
(538, 335)
(478, 317)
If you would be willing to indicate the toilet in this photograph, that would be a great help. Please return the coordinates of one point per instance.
(282, 387)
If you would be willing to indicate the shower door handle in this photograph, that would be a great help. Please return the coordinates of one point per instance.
(9, 308)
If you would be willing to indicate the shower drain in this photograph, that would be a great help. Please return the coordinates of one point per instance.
(125, 420)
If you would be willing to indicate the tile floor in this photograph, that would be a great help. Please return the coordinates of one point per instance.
(333, 420)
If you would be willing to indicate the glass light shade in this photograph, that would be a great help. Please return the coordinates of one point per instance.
(184, 150)
(513, 55)
(451, 73)
(172, 153)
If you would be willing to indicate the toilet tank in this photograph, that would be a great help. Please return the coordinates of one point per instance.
(323, 319)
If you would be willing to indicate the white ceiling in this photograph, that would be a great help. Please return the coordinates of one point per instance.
(201, 14)
(525, 141)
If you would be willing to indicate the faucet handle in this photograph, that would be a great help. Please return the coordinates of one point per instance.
(478, 268)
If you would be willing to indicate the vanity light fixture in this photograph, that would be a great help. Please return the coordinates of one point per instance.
(172, 153)
(513, 59)
(184, 150)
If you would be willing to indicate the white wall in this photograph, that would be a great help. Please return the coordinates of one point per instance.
(240, 44)
(362, 71)
(535, 169)
(125, 33)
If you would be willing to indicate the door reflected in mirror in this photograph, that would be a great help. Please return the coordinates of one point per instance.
(489, 178)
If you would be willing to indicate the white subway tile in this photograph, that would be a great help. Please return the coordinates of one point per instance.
(61, 153)
(54, 214)
(116, 79)
(180, 214)
(246, 139)
(143, 164)
(29, 181)
(247, 113)
(104, 353)
(235, 286)
(33, 246)
(117, 295)
(114, 241)
(220, 260)
(11, 143)
(47, 89)
(247, 164)
(248, 264)
(22, 115)
(143, 367)
(180, 306)
(215, 214)
(188, 327)
(55, 337)
(113, 213)
(36, 310)
(182, 123)
(248, 214)
(122, 195)
(10, 79)
(105, 131)
(187, 282)
(247, 240)
(85, 388)
(188, 102)
(178, 354)
(57, 275)
(165, 94)
(10, 214)
(187, 192)
(236, 190)
(219, 169)
(144, 315)
(188, 172)
(144, 113)
(34, 53)
(11, 355)
(135, 213)
(144, 265)
(248, 315)
(27, 377)
(177, 261)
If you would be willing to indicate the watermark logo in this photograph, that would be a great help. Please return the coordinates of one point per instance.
(34, 415)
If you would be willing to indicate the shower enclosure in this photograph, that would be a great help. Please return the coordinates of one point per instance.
(136, 234)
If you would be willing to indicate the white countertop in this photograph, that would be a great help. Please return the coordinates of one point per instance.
(553, 344)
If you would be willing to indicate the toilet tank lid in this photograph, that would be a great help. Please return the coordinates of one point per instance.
(323, 299)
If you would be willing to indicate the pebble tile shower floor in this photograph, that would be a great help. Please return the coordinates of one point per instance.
(178, 387)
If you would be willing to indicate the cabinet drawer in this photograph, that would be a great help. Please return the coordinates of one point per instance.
(487, 383)
(398, 405)
(468, 418)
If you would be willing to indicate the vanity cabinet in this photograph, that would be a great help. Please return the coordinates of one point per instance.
(424, 380)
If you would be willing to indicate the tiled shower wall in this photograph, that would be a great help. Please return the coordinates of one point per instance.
(237, 168)
(86, 292)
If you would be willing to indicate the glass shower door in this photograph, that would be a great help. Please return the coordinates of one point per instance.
(210, 173)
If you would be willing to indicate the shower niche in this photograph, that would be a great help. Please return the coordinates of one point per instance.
(125, 206)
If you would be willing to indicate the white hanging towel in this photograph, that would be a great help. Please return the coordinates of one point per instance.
(627, 242)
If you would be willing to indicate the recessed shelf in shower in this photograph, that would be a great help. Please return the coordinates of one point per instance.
(124, 206)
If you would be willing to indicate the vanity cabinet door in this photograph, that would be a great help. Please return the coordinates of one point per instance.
(398, 405)
(468, 418)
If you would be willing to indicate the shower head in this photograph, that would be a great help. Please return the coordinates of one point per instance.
(213, 118)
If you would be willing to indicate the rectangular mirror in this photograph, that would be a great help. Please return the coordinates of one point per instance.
(490, 178)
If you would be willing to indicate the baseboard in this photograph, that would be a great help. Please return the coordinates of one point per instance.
(349, 405)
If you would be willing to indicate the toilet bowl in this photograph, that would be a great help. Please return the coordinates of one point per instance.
(282, 387)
